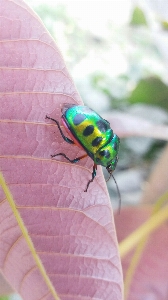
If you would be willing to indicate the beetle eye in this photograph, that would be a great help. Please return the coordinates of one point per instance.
(112, 165)
(109, 168)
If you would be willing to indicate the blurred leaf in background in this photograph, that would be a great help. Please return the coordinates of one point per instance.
(138, 17)
(11, 297)
(151, 91)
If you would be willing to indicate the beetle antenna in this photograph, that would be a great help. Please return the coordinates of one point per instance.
(118, 192)
(109, 177)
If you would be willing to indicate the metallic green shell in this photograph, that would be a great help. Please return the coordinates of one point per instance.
(108, 154)
(93, 133)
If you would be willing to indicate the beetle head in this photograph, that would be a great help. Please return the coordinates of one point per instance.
(111, 167)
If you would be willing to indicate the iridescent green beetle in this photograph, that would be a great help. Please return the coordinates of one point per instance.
(93, 134)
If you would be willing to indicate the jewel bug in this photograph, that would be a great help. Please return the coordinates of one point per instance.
(89, 131)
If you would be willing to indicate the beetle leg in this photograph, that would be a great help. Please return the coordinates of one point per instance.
(73, 161)
(64, 137)
(93, 176)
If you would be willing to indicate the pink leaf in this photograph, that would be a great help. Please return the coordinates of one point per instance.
(157, 184)
(150, 278)
(72, 232)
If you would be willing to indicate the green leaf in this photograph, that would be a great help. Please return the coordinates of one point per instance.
(150, 91)
(138, 17)
(164, 25)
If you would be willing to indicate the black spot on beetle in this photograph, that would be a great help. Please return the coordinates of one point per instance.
(78, 119)
(88, 130)
(97, 141)
(115, 146)
(102, 125)
(105, 153)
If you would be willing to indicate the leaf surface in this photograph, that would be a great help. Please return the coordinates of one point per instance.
(149, 279)
(157, 183)
(72, 232)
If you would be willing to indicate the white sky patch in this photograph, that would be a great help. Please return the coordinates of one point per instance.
(112, 63)
(93, 15)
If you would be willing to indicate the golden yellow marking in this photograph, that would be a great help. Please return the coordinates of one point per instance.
(87, 141)
(27, 237)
